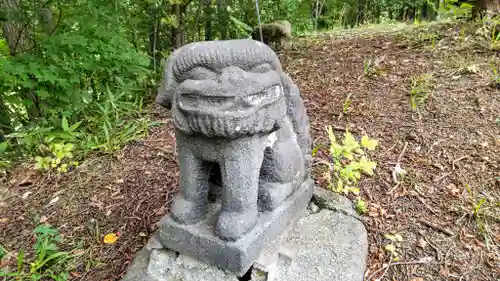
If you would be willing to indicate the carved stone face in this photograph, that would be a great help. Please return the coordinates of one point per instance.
(228, 97)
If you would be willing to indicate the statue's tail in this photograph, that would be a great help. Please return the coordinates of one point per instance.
(298, 115)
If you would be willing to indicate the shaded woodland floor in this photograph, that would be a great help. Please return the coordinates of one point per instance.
(449, 148)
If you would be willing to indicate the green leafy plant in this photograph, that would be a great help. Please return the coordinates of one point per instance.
(393, 246)
(495, 33)
(346, 104)
(3, 252)
(4, 162)
(348, 160)
(115, 121)
(495, 76)
(371, 68)
(420, 89)
(481, 211)
(463, 65)
(49, 262)
(60, 158)
(361, 206)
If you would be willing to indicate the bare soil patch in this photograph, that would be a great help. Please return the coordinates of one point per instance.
(451, 159)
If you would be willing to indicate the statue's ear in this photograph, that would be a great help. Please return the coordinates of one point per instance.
(288, 86)
(168, 84)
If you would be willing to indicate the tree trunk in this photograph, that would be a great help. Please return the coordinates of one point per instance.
(176, 28)
(197, 29)
(223, 16)
(208, 20)
(20, 40)
(15, 31)
(153, 35)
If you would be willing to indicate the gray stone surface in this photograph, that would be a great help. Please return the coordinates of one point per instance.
(156, 264)
(329, 245)
(241, 125)
(198, 241)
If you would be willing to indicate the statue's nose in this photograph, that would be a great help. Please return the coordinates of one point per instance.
(232, 75)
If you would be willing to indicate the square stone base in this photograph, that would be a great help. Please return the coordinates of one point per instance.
(200, 242)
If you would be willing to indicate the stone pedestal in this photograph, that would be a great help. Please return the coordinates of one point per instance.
(326, 243)
(199, 241)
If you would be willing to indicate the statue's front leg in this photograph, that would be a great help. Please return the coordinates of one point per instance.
(191, 204)
(240, 183)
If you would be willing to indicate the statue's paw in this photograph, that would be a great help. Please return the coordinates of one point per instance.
(233, 225)
(188, 212)
(273, 194)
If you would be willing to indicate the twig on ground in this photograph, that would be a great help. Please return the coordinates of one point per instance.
(427, 206)
(396, 263)
(437, 227)
(436, 248)
(442, 177)
(458, 160)
(397, 169)
(402, 152)
(342, 129)
(446, 255)
(156, 140)
(434, 144)
(390, 148)
(385, 272)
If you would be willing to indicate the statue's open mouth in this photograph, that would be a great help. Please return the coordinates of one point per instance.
(233, 105)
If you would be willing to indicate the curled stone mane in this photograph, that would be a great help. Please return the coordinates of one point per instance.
(217, 55)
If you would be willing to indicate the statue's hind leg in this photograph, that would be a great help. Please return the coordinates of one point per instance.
(282, 171)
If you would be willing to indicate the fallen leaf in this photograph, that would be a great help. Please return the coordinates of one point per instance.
(108, 213)
(4, 220)
(398, 237)
(444, 272)
(26, 194)
(110, 238)
(43, 219)
(422, 243)
(161, 211)
(390, 248)
(54, 200)
(78, 252)
(142, 234)
(454, 190)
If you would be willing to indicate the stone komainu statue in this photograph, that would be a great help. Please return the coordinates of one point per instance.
(241, 125)
(277, 34)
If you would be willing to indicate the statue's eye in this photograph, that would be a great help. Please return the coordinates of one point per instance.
(261, 68)
(201, 73)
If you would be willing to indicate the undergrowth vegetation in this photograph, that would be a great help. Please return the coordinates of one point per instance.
(348, 160)
(49, 262)
(81, 88)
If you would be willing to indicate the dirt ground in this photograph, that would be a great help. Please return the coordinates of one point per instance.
(449, 149)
